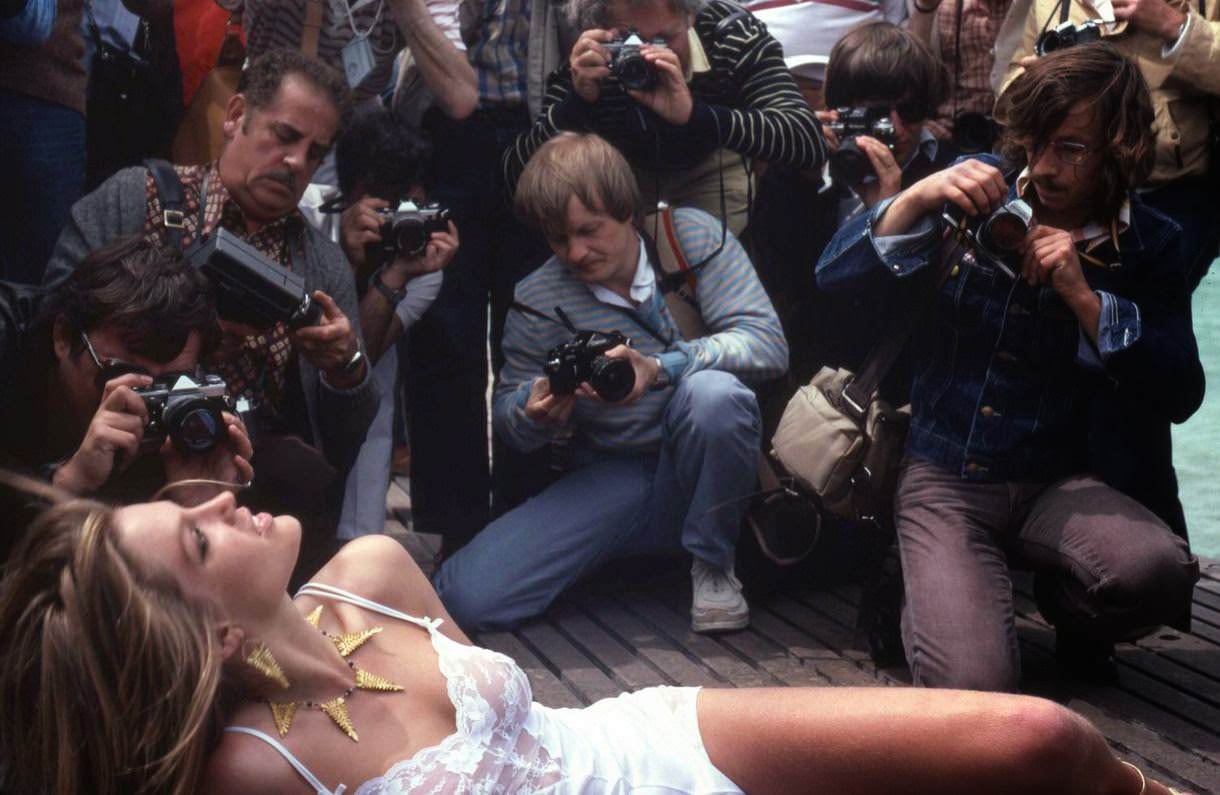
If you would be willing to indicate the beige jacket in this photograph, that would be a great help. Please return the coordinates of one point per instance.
(1182, 84)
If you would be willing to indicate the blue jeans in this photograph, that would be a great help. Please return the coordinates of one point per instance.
(691, 495)
(43, 162)
(445, 373)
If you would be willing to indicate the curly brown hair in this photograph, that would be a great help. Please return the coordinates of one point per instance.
(1095, 75)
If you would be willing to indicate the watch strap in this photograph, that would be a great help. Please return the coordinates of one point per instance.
(387, 292)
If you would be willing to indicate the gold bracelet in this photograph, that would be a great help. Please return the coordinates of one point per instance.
(1143, 781)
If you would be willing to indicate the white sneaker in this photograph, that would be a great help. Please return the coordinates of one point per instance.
(718, 605)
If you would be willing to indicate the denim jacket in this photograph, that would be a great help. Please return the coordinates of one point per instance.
(1004, 374)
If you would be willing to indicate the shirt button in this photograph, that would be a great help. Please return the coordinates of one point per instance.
(987, 411)
(956, 270)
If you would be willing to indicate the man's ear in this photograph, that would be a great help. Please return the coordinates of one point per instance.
(231, 638)
(61, 338)
(235, 113)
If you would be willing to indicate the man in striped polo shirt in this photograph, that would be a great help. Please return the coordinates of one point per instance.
(670, 466)
(721, 96)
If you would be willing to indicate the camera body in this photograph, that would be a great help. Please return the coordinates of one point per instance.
(187, 408)
(249, 287)
(999, 236)
(406, 230)
(627, 63)
(850, 165)
(1067, 35)
(583, 358)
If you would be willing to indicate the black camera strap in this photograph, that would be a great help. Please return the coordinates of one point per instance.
(173, 200)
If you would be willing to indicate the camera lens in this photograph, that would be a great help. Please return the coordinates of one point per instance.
(194, 426)
(634, 72)
(612, 379)
(410, 237)
(849, 166)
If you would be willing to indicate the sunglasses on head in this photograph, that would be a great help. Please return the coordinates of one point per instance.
(109, 368)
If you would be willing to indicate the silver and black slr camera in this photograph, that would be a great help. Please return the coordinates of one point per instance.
(627, 63)
(406, 230)
(583, 359)
(187, 408)
(1067, 35)
(850, 165)
(249, 287)
(999, 236)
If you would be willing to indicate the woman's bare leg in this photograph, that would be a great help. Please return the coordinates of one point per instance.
(884, 740)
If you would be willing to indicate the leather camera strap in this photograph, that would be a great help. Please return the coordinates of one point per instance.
(859, 393)
(311, 30)
(172, 197)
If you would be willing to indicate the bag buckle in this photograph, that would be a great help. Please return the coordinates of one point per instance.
(174, 219)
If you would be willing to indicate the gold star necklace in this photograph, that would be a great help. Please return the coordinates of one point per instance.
(282, 712)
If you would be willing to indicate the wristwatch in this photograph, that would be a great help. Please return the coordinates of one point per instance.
(387, 292)
(662, 381)
(353, 364)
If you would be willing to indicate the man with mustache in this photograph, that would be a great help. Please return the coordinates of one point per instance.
(312, 385)
(1008, 361)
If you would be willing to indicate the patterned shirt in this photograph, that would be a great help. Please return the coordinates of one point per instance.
(970, 86)
(258, 368)
(500, 55)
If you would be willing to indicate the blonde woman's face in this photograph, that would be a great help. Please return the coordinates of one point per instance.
(238, 561)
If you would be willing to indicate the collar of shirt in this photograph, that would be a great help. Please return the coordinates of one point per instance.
(223, 209)
(642, 285)
(1092, 234)
(698, 56)
(928, 145)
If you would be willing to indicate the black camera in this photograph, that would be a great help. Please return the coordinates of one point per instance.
(406, 230)
(583, 359)
(850, 165)
(999, 236)
(1067, 35)
(187, 408)
(249, 287)
(627, 63)
(974, 133)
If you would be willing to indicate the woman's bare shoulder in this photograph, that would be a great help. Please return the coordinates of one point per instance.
(244, 764)
(377, 567)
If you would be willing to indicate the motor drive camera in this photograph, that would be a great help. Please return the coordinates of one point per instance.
(849, 165)
(583, 359)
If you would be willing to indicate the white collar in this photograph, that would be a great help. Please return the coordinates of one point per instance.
(641, 286)
(1093, 233)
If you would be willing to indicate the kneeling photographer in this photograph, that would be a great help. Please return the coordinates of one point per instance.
(655, 431)
(1044, 287)
(93, 395)
(687, 91)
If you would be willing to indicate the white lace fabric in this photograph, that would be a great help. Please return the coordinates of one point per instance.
(492, 750)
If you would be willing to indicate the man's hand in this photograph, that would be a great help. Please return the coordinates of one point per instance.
(1155, 17)
(360, 225)
(1049, 257)
(670, 98)
(889, 173)
(228, 461)
(941, 129)
(441, 248)
(647, 368)
(829, 135)
(590, 63)
(972, 185)
(330, 344)
(116, 428)
(545, 408)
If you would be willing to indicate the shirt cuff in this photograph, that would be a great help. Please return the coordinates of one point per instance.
(675, 363)
(1171, 50)
(1119, 325)
(907, 252)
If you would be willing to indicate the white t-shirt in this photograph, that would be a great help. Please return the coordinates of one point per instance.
(811, 27)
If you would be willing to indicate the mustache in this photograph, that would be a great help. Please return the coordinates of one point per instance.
(285, 178)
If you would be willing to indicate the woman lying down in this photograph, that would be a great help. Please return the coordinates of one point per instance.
(153, 649)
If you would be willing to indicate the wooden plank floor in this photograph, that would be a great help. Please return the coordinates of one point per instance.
(611, 635)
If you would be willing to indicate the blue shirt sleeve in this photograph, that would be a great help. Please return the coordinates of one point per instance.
(32, 27)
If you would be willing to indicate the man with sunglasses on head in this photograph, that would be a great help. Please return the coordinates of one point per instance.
(71, 358)
(1010, 355)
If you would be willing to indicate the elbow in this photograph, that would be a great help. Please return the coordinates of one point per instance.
(460, 102)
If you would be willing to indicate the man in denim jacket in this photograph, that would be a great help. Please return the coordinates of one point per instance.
(1007, 365)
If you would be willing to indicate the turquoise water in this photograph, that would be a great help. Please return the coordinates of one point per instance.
(1194, 443)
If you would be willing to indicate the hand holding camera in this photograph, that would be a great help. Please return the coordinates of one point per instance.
(590, 63)
(666, 93)
(544, 407)
(228, 459)
(359, 227)
(644, 370)
(331, 345)
(975, 187)
(889, 173)
(117, 428)
(1151, 16)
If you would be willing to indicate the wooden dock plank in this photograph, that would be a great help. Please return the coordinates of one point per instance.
(573, 667)
(629, 669)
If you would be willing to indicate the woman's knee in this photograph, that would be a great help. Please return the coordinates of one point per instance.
(1051, 747)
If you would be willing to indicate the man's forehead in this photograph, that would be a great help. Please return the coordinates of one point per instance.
(1080, 123)
(650, 17)
(300, 105)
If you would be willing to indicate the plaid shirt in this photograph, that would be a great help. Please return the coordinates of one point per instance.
(500, 55)
(258, 368)
(981, 21)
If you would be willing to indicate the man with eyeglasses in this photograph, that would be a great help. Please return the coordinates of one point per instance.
(1007, 363)
(70, 358)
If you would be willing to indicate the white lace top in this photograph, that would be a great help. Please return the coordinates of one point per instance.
(504, 743)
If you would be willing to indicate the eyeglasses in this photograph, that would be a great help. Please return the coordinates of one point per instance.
(1070, 152)
(109, 369)
(909, 112)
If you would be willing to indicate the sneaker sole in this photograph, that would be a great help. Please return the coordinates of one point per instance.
(719, 624)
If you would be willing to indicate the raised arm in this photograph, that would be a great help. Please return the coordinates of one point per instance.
(443, 67)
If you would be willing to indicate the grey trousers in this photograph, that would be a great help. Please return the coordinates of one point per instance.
(1106, 568)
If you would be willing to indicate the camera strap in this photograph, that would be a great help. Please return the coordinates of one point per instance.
(172, 198)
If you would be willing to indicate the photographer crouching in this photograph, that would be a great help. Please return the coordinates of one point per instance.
(92, 396)
(658, 435)
(1022, 333)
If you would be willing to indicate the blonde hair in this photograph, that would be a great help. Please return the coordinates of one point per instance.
(110, 677)
(575, 164)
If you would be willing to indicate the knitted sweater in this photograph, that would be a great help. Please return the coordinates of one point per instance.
(746, 340)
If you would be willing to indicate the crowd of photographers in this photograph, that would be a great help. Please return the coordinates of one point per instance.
(650, 222)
